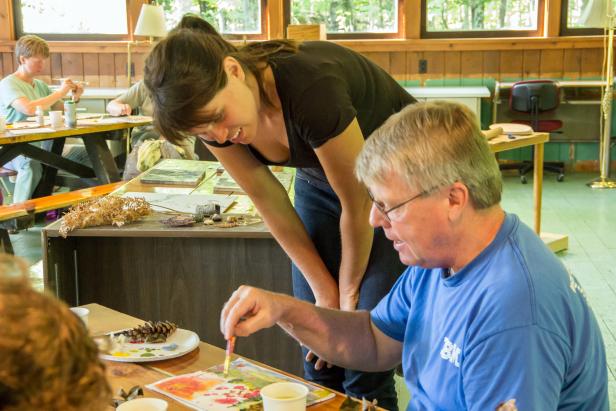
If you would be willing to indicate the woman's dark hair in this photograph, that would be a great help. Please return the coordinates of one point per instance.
(194, 22)
(185, 71)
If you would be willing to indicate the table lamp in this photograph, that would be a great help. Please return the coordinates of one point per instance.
(600, 14)
(151, 22)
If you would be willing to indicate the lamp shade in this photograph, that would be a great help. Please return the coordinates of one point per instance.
(151, 21)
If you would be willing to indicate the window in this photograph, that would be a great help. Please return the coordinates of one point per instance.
(230, 17)
(481, 18)
(580, 17)
(67, 19)
(371, 18)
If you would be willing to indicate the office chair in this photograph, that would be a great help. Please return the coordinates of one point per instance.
(534, 97)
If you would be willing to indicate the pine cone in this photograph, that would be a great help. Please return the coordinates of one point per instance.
(151, 332)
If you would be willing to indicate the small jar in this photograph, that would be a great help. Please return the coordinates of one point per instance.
(70, 114)
(40, 116)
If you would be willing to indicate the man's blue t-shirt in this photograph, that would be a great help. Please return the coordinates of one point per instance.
(511, 324)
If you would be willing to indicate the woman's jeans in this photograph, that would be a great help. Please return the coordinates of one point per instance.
(29, 173)
(319, 209)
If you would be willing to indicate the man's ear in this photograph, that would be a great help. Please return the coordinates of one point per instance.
(233, 68)
(458, 198)
(22, 60)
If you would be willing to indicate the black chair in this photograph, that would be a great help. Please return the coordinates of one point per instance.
(535, 97)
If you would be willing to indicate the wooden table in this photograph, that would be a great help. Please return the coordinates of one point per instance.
(127, 375)
(103, 168)
(183, 274)
(556, 242)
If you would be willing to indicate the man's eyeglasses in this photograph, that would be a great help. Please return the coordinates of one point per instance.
(381, 207)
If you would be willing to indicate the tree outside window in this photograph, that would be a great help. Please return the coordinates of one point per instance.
(347, 16)
(480, 17)
(228, 16)
(71, 18)
(584, 16)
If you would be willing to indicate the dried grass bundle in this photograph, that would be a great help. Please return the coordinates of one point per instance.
(104, 211)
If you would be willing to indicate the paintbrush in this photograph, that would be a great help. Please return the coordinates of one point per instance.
(228, 352)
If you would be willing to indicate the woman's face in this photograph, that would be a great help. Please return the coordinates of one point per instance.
(234, 110)
(33, 65)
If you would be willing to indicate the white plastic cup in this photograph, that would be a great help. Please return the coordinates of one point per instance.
(55, 118)
(144, 404)
(2, 124)
(284, 396)
(82, 313)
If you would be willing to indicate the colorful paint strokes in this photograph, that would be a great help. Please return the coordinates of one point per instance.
(240, 390)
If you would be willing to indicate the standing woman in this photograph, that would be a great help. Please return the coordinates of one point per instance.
(308, 106)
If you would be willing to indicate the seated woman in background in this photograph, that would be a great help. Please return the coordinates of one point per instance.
(20, 94)
(47, 359)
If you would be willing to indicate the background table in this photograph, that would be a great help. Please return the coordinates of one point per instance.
(126, 375)
(183, 274)
(103, 168)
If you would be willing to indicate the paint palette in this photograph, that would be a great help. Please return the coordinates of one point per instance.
(179, 343)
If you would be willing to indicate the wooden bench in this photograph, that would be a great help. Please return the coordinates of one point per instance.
(21, 215)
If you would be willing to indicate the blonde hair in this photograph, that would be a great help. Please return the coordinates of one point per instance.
(31, 46)
(47, 360)
(430, 145)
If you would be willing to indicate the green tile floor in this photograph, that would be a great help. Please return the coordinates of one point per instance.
(587, 216)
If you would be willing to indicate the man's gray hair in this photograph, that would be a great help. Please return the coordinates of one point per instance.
(430, 145)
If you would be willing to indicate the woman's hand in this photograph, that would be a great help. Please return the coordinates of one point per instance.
(348, 301)
(77, 91)
(67, 86)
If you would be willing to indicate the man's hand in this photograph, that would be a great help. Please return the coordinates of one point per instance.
(250, 309)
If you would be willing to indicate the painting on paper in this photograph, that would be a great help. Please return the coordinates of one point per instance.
(240, 390)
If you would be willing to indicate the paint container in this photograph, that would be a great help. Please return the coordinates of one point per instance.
(70, 114)
(284, 396)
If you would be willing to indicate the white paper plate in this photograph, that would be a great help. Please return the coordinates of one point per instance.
(513, 128)
(179, 343)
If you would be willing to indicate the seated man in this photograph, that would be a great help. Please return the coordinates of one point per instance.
(484, 314)
(20, 94)
(47, 359)
(137, 98)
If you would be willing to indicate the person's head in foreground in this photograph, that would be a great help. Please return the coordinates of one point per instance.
(47, 359)
(484, 316)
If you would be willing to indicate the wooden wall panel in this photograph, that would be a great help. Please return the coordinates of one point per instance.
(72, 65)
(436, 65)
(120, 62)
(106, 69)
(452, 65)
(532, 60)
(592, 61)
(138, 64)
(55, 66)
(398, 68)
(471, 64)
(491, 65)
(511, 65)
(91, 73)
(412, 65)
(572, 64)
(551, 65)
(8, 63)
